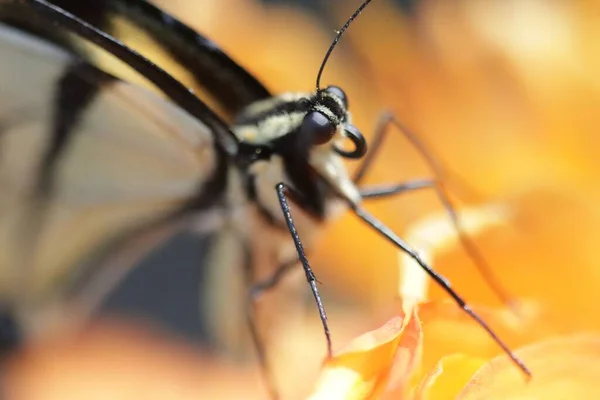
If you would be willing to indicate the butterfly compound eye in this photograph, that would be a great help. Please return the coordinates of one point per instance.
(318, 126)
(339, 93)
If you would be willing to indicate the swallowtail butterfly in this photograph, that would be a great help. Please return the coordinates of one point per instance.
(89, 162)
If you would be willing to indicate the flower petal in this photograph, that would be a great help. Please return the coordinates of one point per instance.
(448, 377)
(378, 360)
(563, 368)
(548, 252)
(436, 233)
(448, 330)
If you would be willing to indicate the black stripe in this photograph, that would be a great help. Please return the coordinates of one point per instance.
(211, 68)
(74, 92)
(93, 11)
(43, 12)
(76, 89)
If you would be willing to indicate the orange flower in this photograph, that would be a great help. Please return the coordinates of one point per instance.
(545, 328)
(508, 93)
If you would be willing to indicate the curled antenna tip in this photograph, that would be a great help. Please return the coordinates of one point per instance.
(339, 34)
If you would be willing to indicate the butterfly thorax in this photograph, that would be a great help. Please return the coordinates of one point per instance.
(291, 139)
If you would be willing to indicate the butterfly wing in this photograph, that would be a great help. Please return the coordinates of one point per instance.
(189, 56)
(84, 157)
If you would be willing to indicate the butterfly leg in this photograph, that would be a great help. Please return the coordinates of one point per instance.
(394, 189)
(274, 280)
(379, 191)
(387, 119)
(436, 184)
(397, 241)
(383, 191)
(281, 188)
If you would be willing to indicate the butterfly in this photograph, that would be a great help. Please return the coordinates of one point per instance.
(94, 167)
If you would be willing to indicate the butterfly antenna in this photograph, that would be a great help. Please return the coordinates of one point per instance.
(337, 39)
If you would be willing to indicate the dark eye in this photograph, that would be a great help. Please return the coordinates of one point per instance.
(318, 127)
(339, 93)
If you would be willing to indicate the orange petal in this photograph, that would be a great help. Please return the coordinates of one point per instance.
(380, 359)
(532, 256)
(434, 234)
(448, 377)
(548, 253)
(448, 330)
(563, 368)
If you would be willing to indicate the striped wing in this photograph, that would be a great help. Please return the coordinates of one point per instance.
(192, 58)
(84, 157)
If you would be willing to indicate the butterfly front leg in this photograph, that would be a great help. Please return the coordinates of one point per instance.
(281, 189)
(387, 120)
(259, 288)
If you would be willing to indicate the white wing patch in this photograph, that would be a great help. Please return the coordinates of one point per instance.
(132, 158)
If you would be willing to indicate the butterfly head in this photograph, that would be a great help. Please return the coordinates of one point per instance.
(310, 134)
(328, 122)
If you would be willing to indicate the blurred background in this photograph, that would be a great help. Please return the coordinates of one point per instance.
(506, 93)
